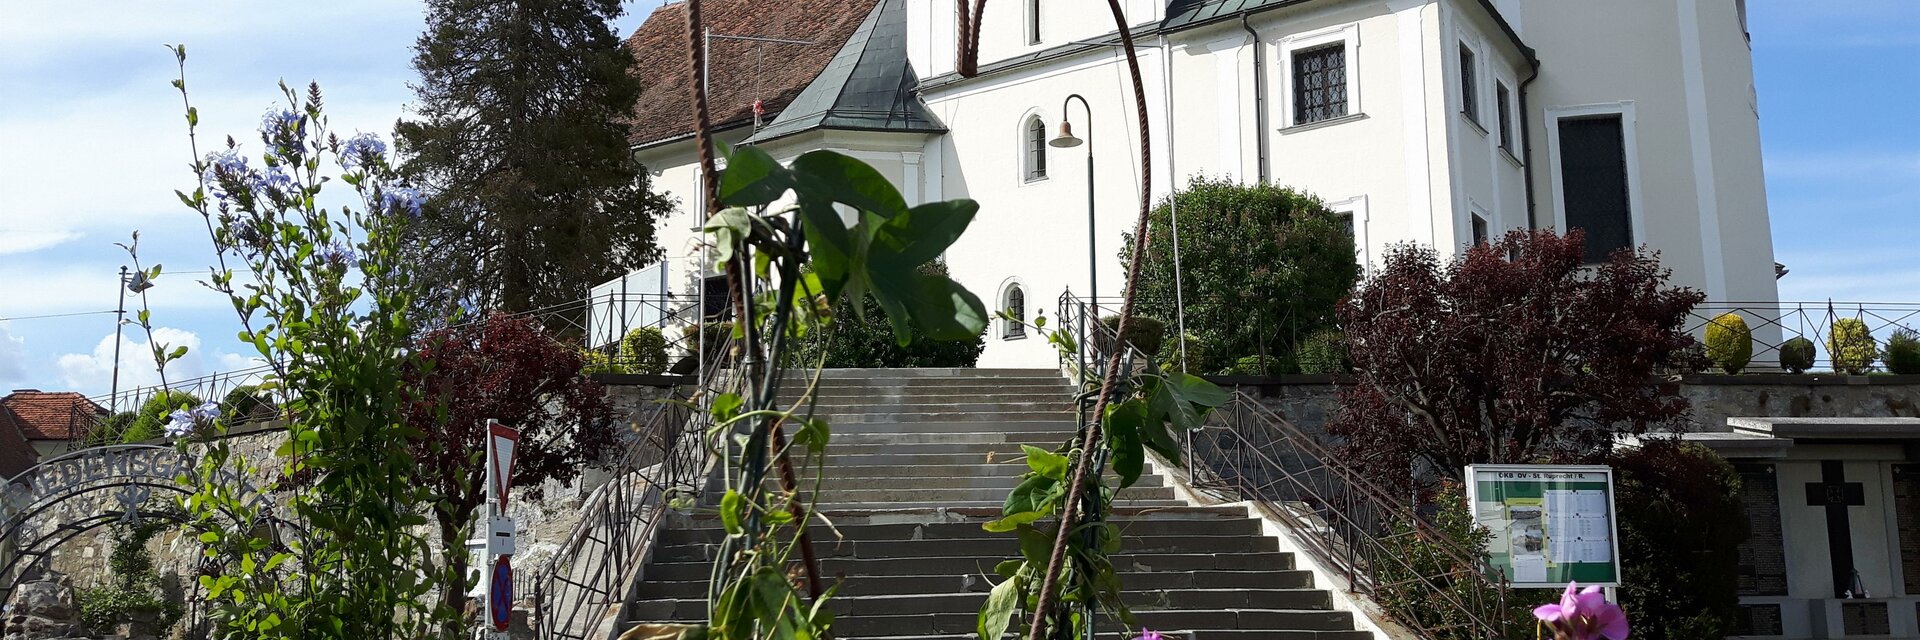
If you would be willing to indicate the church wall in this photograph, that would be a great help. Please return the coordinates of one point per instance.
(1658, 84)
(1732, 114)
(1487, 181)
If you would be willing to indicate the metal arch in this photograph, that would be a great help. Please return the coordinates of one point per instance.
(41, 549)
(135, 470)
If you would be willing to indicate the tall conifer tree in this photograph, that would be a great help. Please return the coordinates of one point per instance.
(522, 136)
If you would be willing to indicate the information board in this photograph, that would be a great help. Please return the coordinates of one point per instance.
(1551, 524)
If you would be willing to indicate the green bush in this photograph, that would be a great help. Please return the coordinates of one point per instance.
(1323, 352)
(1681, 522)
(134, 590)
(246, 403)
(151, 421)
(1143, 333)
(1796, 354)
(1903, 352)
(644, 350)
(110, 430)
(1407, 589)
(1852, 347)
(593, 361)
(1257, 365)
(1263, 266)
(1729, 342)
(713, 339)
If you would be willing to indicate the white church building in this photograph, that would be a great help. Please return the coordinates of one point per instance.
(1429, 121)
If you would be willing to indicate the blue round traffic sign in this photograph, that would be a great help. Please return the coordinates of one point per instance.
(500, 594)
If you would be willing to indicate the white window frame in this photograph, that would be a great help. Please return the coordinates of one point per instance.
(1494, 229)
(1347, 35)
(1000, 304)
(1024, 163)
(1355, 208)
(1630, 139)
(1507, 138)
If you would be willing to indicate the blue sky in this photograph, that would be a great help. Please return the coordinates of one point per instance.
(92, 144)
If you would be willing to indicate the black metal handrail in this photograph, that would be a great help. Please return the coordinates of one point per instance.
(663, 468)
(1372, 539)
(1774, 323)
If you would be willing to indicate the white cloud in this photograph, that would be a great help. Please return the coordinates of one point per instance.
(25, 240)
(93, 372)
(13, 356)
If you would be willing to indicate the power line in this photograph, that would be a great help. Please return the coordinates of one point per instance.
(58, 315)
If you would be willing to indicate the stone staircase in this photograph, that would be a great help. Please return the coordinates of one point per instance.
(921, 457)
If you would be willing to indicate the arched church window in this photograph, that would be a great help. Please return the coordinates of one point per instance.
(1014, 302)
(1036, 148)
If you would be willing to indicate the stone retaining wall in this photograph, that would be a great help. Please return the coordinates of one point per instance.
(1309, 401)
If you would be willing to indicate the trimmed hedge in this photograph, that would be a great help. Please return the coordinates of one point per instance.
(1729, 342)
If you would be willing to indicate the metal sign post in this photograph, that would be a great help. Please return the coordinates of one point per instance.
(497, 589)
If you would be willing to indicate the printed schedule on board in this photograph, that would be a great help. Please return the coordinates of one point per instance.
(1551, 524)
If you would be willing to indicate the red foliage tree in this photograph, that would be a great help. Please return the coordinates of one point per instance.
(1513, 352)
(506, 368)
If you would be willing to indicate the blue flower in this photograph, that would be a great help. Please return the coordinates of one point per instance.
(339, 254)
(273, 180)
(402, 200)
(278, 123)
(180, 423)
(208, 411)
(361, 150)
(227, 168)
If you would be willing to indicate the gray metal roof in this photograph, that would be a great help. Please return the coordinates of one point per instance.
(1183, 13)
(868, 86)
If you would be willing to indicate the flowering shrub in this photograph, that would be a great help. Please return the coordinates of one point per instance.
(324, 303)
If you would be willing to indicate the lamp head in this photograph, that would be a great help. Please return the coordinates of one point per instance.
(1066, 139)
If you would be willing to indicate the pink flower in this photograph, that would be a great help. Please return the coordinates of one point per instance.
(1585, 615)
(1150, 634)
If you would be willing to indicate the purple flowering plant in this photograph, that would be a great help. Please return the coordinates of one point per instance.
(1583, 615)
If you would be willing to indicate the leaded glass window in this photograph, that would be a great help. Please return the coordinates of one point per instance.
(1016, 306)
(1036, 149)
(1469, 86)
(1502, 97)
(1319, 83)
(1593, 171)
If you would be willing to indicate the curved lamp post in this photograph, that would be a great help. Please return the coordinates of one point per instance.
(1066, 140)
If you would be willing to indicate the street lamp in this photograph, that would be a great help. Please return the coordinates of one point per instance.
(1066, 140)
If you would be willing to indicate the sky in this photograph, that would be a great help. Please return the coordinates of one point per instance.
(93, 143)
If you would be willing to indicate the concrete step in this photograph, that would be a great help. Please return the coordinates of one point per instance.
(983, 565)
(964, 417)
(846, 395)
(948, 583)
(979, 504)
(875, 494)
(1003, 467)
(979, 448)
(1139, 526)
(1002, 483)
(1062, 424)
(896, 458)
(1044, 440)
(975, 515)
(1003, 546)
(965, 602)
(1179, 634)
(981, 405)
(945, 373)
(1204, 619)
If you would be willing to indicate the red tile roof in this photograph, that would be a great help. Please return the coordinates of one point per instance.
(47, 415)
(739, 72)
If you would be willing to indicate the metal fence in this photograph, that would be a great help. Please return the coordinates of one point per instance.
(581, 590)
(1774, 323)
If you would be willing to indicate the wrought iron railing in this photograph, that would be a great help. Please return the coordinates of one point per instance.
(582, 589)
(1375, 541)
(1774, 323)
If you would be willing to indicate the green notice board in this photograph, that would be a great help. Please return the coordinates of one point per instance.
(1551, 524)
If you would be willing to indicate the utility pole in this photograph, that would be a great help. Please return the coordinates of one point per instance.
(119, 325)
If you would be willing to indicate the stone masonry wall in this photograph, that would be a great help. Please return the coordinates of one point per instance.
(1309, 401)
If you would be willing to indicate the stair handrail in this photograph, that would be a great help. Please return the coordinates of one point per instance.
(1350, 525)
(1383, 548)
(662, 469)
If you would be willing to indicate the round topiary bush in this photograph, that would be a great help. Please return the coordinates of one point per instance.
(1903, 352)
(593, 361)
(1143, 333)
(1323, 352)
(1257, 365)
(151, 421)
(644, 350)
(1729, 342)
(1796, 355)
(246, 403)
(1852, 347)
